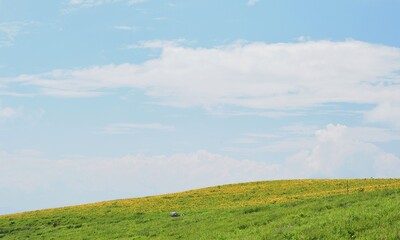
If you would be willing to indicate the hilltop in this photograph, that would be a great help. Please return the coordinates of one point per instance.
(285, 209)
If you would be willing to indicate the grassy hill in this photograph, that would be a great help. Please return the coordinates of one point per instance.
(287, 209)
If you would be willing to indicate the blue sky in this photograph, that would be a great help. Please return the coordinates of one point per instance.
(106, 99)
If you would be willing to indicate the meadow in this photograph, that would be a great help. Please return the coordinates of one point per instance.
(284, 209)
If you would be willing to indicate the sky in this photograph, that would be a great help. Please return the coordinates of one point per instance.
(111, 99)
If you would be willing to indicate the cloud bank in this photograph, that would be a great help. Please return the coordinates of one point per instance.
(34, 182)
(252, 75)
(335, 152)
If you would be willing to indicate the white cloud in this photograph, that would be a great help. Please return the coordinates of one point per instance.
(366, 134)
(251, 2)
(260, 76)
(338, 152)
(125, 128)
(335, 151)
(297, 137)
(387, 113)
(387, 165)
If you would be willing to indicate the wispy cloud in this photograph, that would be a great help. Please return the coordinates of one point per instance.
(299, 129)
(160, 44)
(9, 31)
(90, 3)
(8, 113)
(245, 140)
(303, 38)
(125, 128)
(93, 3)
(302, 139)
(29, 152)
(249, 138)
(126, 28)
(160, 18)
(251, 2)
(280, 146)
(132, 2)
(261, 135)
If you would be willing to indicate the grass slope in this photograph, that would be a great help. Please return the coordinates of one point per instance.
(292, 209)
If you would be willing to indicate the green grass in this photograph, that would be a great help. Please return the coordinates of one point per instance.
(296, 209)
